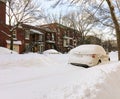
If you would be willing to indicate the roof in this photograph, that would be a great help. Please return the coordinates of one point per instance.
(58, 25)
(32, 28)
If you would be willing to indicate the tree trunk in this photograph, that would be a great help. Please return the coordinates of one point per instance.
(11, 41)
(116, 24)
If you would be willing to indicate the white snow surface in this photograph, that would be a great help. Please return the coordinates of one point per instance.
(88, 49)
(49, 76)
(6, 51)
(51, 51)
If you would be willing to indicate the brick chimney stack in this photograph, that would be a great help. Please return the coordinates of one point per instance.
(2, 11)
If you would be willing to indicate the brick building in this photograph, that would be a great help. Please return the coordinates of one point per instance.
(27, 38)
(60, 37)
(33, 39)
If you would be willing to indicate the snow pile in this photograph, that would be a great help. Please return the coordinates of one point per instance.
(24, 60)
(51, 51)
(110, 87)
(93, 83)
(39, 76)
(113, 55)
(6, 51)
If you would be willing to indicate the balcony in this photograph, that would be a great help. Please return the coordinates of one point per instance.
(67, 37)
(50, 41)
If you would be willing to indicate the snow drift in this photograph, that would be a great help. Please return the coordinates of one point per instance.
(6, 51)
(51, 51)
(39, 76)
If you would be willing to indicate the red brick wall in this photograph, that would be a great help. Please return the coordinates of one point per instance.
(21, 37)
(3, 36)
(2, 12)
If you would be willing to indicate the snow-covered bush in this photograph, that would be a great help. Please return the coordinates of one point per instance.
(51, 51)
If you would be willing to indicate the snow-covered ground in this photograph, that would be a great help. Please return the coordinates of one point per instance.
(49, 76)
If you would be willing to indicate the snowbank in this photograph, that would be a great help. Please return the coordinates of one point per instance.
(39, 76)
(51, 51)
(6, 51)
(113, 55)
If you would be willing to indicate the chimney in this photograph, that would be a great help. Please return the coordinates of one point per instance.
(2, 11)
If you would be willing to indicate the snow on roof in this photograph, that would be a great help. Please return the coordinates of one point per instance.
(6, 51)
(15, 42)
(89, 49)
(36, 31)
(51, 51)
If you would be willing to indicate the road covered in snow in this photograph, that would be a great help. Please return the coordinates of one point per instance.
(43, 76)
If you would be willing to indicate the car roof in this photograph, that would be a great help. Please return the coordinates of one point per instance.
(89, 49)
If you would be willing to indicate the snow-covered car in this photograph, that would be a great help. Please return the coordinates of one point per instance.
(88, 55)
(51, 51)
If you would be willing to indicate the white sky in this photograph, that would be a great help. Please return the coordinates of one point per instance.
(55, 10)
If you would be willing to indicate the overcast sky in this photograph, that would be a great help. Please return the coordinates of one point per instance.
(49, 7)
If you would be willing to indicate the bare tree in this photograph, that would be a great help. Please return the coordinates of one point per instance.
(116, 24)
(83, 22)
(115, 20)
(115, 14)
(20, 11)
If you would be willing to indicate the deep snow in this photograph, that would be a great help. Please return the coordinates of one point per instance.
(49, 76)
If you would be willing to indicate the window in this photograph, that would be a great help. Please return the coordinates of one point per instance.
(48, 36)
(40, 37)
(26, 45)
(58, 31)
(65, 33)
(59, 39)
(53, 37)
(27, 34)
(74, 42)
(41, 48)
(52, 46)
(66, 42)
